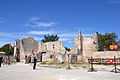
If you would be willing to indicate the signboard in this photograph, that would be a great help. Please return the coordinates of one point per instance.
(111, 61)
(113, 47)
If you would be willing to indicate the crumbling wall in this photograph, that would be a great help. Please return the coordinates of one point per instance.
(24, 47)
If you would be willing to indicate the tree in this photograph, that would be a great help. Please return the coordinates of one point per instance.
(8, 49)
(68, 49)
(50, 38)
(104, 40)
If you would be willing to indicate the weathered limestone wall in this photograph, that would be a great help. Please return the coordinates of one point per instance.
(57, 57)
(56, 46)
(84, 46)
(24, 47)
(87, 47)
(105, 54)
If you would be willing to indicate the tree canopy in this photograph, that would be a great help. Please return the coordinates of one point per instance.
(50, 38)
(118, 43)
(68, 49)
(8, 49)
(104, 40)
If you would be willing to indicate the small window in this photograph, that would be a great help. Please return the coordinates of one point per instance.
(53, 46)
(45, 46)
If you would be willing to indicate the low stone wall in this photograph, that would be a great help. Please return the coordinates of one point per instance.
(105, 54)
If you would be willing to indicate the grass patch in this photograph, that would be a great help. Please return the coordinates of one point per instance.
(61, 65)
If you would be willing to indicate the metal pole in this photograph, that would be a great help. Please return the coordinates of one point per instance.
(115, 65)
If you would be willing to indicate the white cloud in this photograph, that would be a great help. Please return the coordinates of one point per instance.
(87, 34)
(35, 22)
(34, 18)
(5, 42)
(3, 34)
(64, 39)
(40, 24)
(67, 35)
(40, 32)
(43, 24)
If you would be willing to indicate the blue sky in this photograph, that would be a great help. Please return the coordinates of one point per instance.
(23, 18)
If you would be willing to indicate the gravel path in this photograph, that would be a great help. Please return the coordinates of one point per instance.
(21, 71)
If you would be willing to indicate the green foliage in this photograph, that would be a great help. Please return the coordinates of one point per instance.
(50, 38)
(6, 49)
(104, 40)
(66, 48)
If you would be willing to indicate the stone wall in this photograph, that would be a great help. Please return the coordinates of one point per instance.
(24, 47)
(55, 46)
(105, 54)
(88, 47)
(84, 46)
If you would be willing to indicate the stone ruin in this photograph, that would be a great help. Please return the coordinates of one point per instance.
(83, 47)
(25, 49)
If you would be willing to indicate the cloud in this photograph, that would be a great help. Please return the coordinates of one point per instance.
(67, 35)
(43, 24)
(40, 24)
(36, 22)
(64, 39)
(3, 43)
(34, 18)
(40, 32)
(87, 34)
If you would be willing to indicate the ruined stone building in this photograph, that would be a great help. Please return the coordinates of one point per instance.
(84, 46)
(28, 47)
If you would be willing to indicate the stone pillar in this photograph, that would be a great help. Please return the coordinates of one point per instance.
(22, 54)
(14, 48)
(95, 41)
(80, 45)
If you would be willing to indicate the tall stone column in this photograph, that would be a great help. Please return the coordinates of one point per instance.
(95, 41)
(22, 53)
(80, 45)
(14, 48)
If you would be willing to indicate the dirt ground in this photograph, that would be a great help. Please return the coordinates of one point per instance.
(20, 71)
